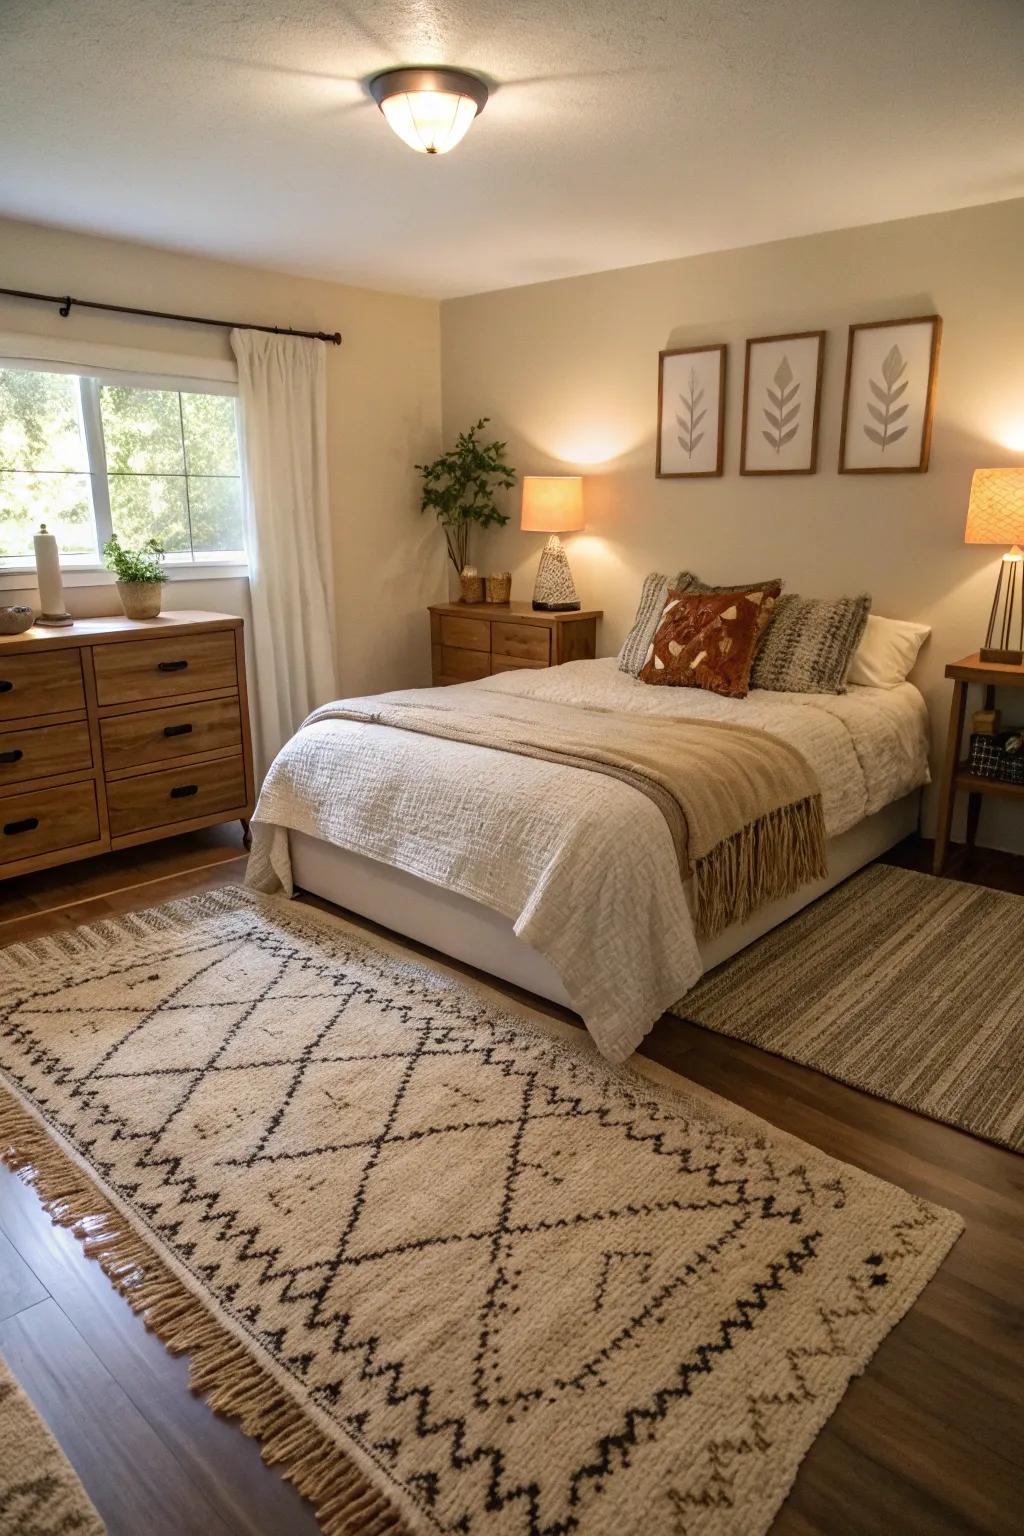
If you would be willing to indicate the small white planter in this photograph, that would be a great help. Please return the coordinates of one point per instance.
(140, 599)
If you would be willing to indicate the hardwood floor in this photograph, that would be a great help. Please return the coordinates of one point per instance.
(929, 1440)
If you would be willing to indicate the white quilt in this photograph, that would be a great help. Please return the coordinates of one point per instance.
(582, 864)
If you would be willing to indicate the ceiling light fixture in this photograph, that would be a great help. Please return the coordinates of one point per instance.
(430, 109)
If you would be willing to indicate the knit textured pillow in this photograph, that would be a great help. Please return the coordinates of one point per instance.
(707, 640)
(652, 600)
(810, 644)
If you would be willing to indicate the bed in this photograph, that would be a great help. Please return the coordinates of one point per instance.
(551, 877)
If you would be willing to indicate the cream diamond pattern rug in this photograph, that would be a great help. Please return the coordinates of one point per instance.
(453, 1271)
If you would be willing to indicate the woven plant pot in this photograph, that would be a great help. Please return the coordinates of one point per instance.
(499, 587)
(140, 599)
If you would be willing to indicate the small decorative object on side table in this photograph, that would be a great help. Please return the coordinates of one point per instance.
(474, 640)
(957, 775)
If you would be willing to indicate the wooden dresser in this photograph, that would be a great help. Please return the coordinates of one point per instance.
(471, 640)
(118, 731)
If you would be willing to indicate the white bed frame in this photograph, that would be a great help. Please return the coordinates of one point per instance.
(478, 936)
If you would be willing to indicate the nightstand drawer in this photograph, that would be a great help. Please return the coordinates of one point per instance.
(466, 634)
(183, 729)
(139, 670)
(175, 794)
(514, 664)
(41, 821)
(44, 750)
(41, 684)
(465, 666)
(529, 642)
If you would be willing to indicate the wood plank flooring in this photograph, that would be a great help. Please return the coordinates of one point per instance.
(929, 1440)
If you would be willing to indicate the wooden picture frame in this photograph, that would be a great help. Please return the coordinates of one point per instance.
(889, 396)
(779, 433)
(691, 442)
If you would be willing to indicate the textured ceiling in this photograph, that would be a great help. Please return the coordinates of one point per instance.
(620, 131)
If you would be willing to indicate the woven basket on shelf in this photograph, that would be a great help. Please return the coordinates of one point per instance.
(499, 587)
(472, 586)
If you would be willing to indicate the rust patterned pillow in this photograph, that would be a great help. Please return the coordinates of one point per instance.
(708, 639)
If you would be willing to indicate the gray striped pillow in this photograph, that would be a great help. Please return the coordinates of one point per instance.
(810, 644)
(638, 642)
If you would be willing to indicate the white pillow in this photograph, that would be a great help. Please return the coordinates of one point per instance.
(887, 652)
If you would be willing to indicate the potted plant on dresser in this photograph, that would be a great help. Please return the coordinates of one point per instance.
(140, 576)
(459, 488)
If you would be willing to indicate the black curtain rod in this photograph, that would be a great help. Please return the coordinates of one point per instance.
(65, 301)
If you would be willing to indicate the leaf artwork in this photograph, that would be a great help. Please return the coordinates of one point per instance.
(691, 419)
(886, 412)
(785, 408)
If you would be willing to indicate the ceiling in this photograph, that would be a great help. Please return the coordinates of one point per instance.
(619, 131)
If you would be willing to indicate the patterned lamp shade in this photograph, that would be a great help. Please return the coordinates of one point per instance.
(995, 513)
(552, 503)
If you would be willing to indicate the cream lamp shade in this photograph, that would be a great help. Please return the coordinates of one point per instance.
(552, 504)
(995, 515)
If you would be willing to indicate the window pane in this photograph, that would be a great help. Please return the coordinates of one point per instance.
(211, 442)
(62, 502)
(150, 507)
(216, 507)
(141, 430)
(40, 421)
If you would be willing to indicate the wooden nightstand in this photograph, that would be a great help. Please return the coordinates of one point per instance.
(473, 640)
(955, 774)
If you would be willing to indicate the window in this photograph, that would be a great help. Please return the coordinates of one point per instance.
(90, 458)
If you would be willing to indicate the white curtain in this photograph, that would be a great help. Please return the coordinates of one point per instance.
(282, 389)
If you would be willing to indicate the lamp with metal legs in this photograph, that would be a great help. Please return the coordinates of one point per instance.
(995, 515)
(553, 504)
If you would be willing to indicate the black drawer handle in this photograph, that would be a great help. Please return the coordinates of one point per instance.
(5, 686)
(171, 666)
(181, 791)
(12, 757)
(28, 825)
(177, 730)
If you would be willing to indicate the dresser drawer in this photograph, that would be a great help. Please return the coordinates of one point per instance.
(43, 821)
(183, 729)
(40, 684)
(530, 642)
(464, 666)
(465, 634)
(175, 794)
(44, 750)
(138, 670)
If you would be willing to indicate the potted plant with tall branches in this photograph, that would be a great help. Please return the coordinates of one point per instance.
(459, 487)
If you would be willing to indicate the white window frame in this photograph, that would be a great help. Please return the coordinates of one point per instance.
(103, 364)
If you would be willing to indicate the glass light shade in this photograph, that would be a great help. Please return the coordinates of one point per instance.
(995, 512)
(552, 504)
(431, 122)
(429, 109)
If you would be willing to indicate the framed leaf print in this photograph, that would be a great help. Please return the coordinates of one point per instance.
(891, 369)
(691, 412)
(781, 404)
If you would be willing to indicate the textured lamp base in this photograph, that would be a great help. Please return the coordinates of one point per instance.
(1001, 625)
(554, 590)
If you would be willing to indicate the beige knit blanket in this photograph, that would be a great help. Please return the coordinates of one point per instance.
(742, 807)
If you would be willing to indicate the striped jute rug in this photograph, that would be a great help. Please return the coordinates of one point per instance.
(907, 986)
(40, 1495)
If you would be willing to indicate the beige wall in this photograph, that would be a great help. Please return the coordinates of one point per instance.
(567, 371)
(383, 415)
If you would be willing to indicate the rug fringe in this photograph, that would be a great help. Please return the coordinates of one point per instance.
(345, 1501)
(767, 859)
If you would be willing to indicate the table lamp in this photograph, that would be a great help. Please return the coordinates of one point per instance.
(995, 515)
(553, 504)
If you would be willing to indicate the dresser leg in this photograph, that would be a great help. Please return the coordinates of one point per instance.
(246, 833)
(947, 793)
